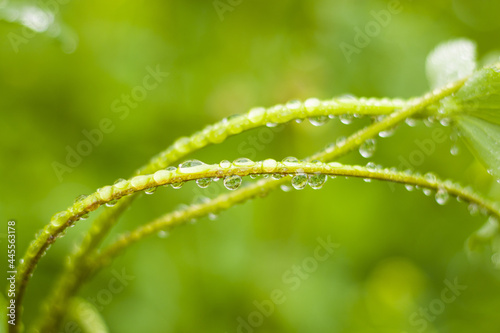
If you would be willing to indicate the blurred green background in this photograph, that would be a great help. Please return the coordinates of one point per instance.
(64, 67)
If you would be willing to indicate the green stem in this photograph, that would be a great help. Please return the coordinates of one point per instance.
(226, 201)
(213, 134)
(69, 283)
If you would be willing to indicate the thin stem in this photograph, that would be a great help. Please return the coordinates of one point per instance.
(213, 134)
(226, 201)
(68, 286)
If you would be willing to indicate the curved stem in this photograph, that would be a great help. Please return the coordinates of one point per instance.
(225, 201)
(67, 286)
(213, 134)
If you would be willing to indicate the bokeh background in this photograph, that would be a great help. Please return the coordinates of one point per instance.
(64, 64)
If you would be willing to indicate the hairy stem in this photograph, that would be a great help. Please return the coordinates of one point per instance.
(213, 134)
(68, 286)
(226, 201)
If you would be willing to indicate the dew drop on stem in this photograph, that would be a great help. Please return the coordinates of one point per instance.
(346, 118)
(111, 203)
(316, 181)
(232, 182)
(442, 196)
(427, 191)
(290, 161)
(411, 122)
(203, 182)
(299, 182)
(367, 148)
(80, 197)
(243, 161)
(189, 165)
(318, 120)
(150, 190)
(225, 164)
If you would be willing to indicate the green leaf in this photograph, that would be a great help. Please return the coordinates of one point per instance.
(451, 61)
(475, 109)
(479, 97)
(483, 139)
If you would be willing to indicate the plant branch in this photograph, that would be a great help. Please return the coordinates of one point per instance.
(67, 286)
(213, 134)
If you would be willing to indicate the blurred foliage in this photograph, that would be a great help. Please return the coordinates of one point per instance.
(396, 248)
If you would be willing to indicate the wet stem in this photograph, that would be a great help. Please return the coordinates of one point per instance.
(69, 283)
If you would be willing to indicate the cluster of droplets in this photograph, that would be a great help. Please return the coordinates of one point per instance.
(315, 181)
(346, 108)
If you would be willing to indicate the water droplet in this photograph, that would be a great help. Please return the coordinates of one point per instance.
(277, 176)
(212, 216)
(346, 118)
(455, 150)
(254, 176)
(299, 182)
(442, 196)
(430, 177)
(190, 166)
(371, 166)
(290, 161)
(203, 182)
(269, 165)
(119, 180)
(311, 104)
(317, 181)
(329, 147)
(367, 148)
(445, 121)
(367, 180)
(150, 190)
(429, 121)
(111, 203)
(285, 188)
(271, 124)
(177, 185)
(473, 208)
(427, 191)
(409, 187)
(80, 197)
(242, 162)
(232, 182)
(294, 105)
(163, 234)
(225, 164)
(411, 122)
(340, 141)
(257, 115)
(387, 133)
(318, 120)
(84, 216)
